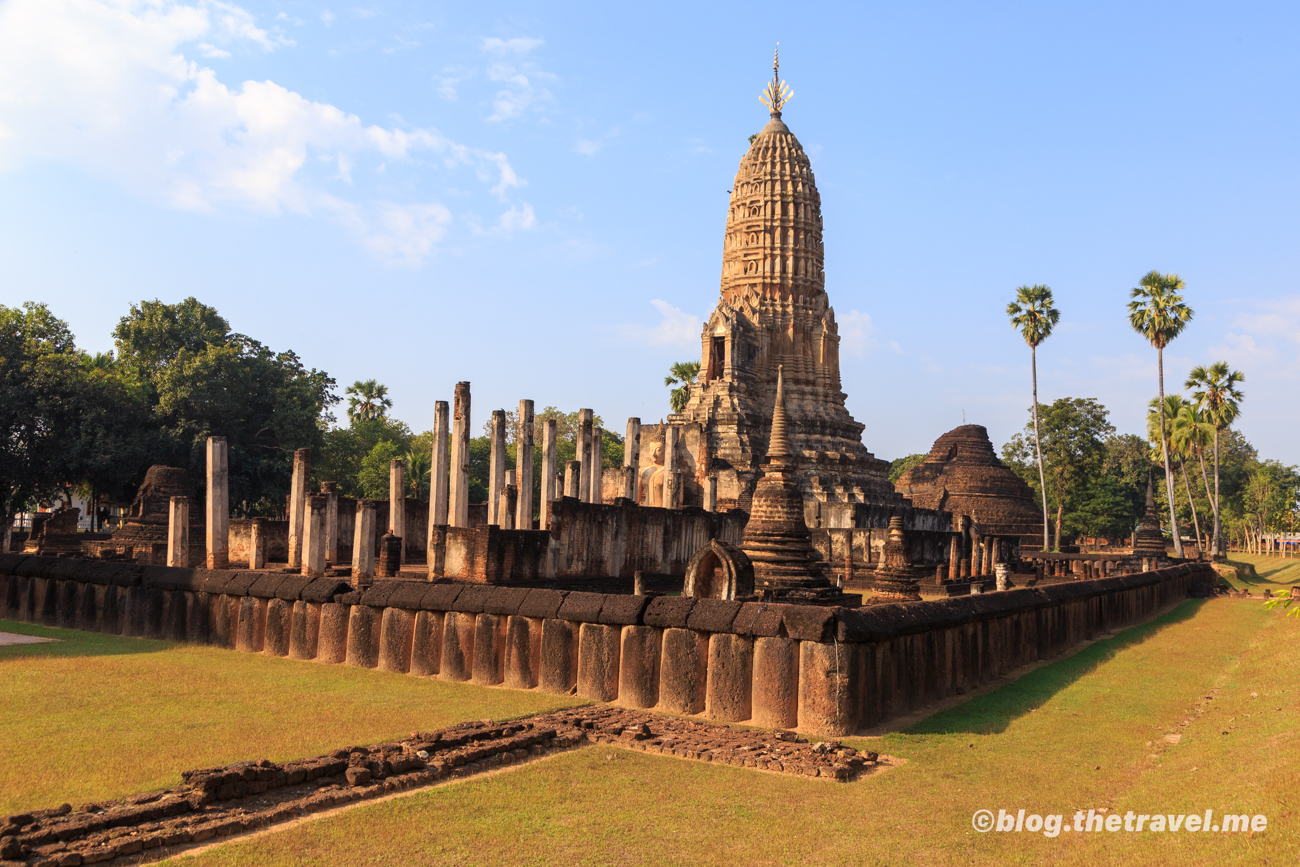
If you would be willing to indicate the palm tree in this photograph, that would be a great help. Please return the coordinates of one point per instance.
(1184, 431)
(1158, 313)
(419, 464)
(1215, 392)
(682, 373)
(1032, 312)
(367, 400)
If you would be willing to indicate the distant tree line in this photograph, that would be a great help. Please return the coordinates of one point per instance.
(73, 421)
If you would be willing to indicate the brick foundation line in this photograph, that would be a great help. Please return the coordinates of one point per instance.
(234, 799)
(822, 670)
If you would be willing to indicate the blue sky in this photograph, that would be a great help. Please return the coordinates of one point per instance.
(532, 197)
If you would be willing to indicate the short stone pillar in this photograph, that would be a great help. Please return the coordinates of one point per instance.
(940, 574)
(585, 425)
(524, 467)
(218, 505)
(330, 491)
(629, 483)
(178, 532)
(363, 544)
(496, 465)
(1001, 571)
(573, 479)
(638, 583)
(257, 544)
(390, 555)
(508, 505)
(549, 492)
(710, 493)
(313, 543)
(965, 569)
(632, 455)
(397, 500)
(954, 556)
(298, 504)
(458, 487)
(976, 588)
(597, 465)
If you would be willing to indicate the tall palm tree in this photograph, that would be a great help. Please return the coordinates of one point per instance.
(367, 400)
(681, 374)
(418, 466)
(1184, 431)
(1158, 313)
(1033, 314)
(1215, 391)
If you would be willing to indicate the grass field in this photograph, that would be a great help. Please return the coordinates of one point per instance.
(1273, 572)
(97, 716)
(1083, 732)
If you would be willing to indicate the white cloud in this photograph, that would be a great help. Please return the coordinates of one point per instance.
(518, 76)
(327, 17)
(517, 219)
(106, 87)
(519, 45)
(676, 327)
(858, 334)
(588, 147)
(406, 234)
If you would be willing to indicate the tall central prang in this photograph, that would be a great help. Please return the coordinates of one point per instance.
(774, 313)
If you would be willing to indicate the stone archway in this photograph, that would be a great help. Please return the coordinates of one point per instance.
(719, 571)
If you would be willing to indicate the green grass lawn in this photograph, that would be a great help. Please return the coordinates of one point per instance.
(97, 716)
(1083, 732)
(1273, 572)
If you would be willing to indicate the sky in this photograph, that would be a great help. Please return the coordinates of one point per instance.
(532, 197)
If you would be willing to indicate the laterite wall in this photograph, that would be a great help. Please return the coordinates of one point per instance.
(827, 671)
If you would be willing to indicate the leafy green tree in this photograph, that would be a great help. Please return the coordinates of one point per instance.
(39, 368)
(1215, 391)
(1158, 313)
(1182, 427)
(681, 374)
(368, 400)
(373, 476)
(343, 449)
(419, 462)
(1034, 316)
(204, 380)
(1074, 433)
(898, 466)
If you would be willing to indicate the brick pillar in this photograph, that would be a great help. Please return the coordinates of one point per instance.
(496, 466)
(257, 544)
(363, 544)
(297, 502)
(509, 504)
(549, 492)
(573, 479)
(313, 539)
(585, 424)
(178, 532)
(330, 490)
(524, 467)
(632, 455)
(710, 493)
(218, 505)
(629, 482)
(397, 501)
(438, 481)
(597, 464)
(670, 464)
(954, 556)
(458, 514)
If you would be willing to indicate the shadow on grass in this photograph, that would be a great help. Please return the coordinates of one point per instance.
(1268, 573)
(994, 712)
(72, 642)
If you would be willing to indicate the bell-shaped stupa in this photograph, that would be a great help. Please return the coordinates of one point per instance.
(776, 539)
(774, 312)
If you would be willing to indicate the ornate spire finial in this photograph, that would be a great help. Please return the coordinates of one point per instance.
(777, 93)
(778, 445)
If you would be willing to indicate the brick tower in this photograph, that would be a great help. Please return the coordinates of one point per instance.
(773, 312)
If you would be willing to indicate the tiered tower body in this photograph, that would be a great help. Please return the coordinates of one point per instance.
(774, 312)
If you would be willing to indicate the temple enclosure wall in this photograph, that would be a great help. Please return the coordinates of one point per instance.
(823, 670)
